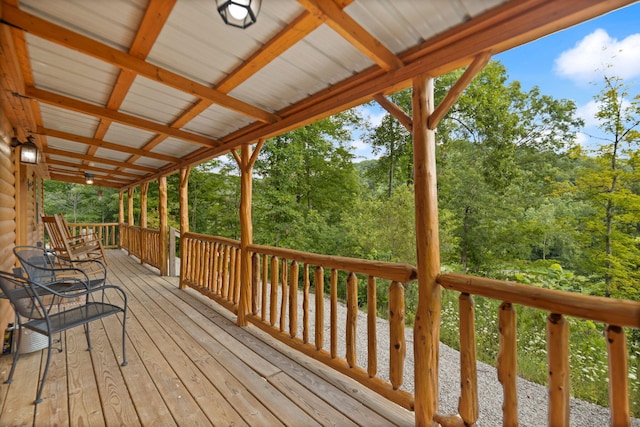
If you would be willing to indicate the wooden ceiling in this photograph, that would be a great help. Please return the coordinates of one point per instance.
(131, 90)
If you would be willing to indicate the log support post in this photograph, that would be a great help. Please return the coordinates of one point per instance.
(121, 218)
(130, 221)
(427, 322)
(144, 189)
(246, 159)
(164, 225)
(184, 220)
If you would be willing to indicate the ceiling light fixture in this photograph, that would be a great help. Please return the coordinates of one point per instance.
(239, 13)
(88, 178)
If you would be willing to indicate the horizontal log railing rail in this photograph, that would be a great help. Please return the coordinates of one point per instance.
(107, 232)
(614, 313)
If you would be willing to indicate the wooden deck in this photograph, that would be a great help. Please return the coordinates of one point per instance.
(189, 365)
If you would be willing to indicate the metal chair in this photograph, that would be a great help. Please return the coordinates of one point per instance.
(33, 303)
(43, 266)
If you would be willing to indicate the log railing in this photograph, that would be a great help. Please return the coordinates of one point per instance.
(616, 314)
(107, 232)
(212, 266)
(283, 304)
(142, 243)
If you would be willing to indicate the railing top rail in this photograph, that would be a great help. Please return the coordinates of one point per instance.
(92, 224)
(607, 310)
(398, 272)
(207, 238)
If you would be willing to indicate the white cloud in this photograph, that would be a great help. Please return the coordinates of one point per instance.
(599, 53)
(373, 114)
(587, 112)
(582, 139)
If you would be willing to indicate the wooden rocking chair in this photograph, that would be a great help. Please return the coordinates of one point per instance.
(71, 247)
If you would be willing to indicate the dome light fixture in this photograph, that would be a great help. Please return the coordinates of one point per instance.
(239, 13)
(88, 178)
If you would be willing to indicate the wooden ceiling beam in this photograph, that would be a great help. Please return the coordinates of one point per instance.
(82, 175)
(90, 168)
(106, 145)
(137, 122)
(72, 155)
(155, 16)
(80, 180)
(64, 37)
(353, 32)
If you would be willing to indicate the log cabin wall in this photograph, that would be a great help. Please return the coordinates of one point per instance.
(7, 210)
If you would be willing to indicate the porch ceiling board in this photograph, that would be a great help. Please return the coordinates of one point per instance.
(195, 88)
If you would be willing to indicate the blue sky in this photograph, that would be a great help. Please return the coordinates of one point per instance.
(566, 64)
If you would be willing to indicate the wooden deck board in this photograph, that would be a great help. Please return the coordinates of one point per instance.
(189, 364)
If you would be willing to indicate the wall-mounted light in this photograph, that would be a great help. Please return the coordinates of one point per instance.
(29, 154)
(239, 13)
(88, 178)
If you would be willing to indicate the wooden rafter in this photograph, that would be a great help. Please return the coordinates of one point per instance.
(60, 35)
(353, 32)
(153, 21)
(81, 180)
(91, 168)
(72, 155)
(97, 143)
(137, 122)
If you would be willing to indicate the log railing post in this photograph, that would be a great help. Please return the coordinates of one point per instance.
(618, 376)
(508, 363)
(559, 378)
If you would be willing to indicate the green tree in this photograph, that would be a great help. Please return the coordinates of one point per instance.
(306, 178)
(500, 149)
(609, 181)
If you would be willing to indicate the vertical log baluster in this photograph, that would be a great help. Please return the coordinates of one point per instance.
(372, 337)
(216, 268)
(352, 319)
(319, 326)
(284, 301)
(238, 273)
(334, 312)
(212, 268)
(232, 273)
(305, 305)
(558, 361)
(618, 376)
(397, 343)
(273, 300)
(255, 283)
(293, 299)
(508, 363)
(468, 405)
(265, 284)
(207, 257)
(226, 258)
